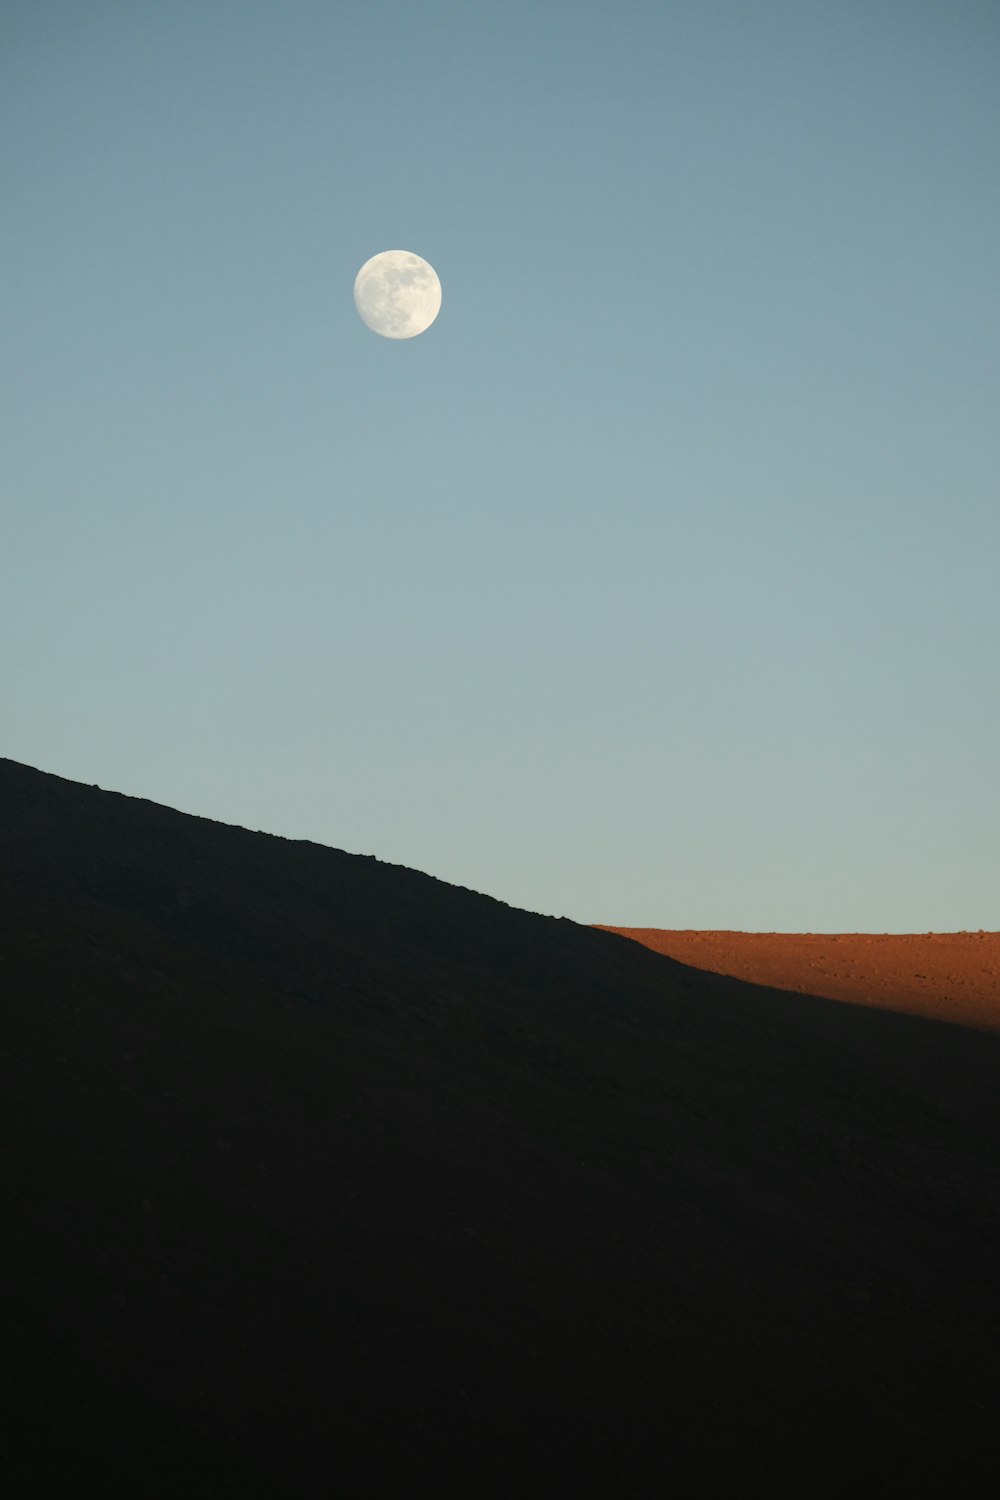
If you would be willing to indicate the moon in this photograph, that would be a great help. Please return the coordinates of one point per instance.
(397, 294)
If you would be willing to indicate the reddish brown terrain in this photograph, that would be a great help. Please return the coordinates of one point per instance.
(947, 976)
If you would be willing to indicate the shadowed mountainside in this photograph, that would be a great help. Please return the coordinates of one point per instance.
(946, 976)
(326, 1177)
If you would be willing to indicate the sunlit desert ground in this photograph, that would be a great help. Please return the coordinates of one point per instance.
(950, 976)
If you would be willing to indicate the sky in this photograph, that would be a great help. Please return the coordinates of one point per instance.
(657, 582)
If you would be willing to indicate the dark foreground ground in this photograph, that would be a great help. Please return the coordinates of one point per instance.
(322, 1177)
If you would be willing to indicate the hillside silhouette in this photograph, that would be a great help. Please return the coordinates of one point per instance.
(327, 1178)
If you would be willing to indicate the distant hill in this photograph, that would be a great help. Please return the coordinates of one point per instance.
(327, 1178)
(946, 976)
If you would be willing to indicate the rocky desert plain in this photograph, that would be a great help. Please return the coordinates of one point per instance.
(945, 976)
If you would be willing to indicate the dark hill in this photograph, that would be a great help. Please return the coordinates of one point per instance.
(327, 1178)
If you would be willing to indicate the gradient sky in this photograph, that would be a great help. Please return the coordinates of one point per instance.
(658, 582)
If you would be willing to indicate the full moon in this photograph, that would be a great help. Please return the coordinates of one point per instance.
(397, 294)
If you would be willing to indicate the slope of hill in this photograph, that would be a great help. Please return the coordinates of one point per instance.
(325, 1177)
(947, 976)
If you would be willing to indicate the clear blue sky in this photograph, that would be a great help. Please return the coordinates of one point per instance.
(658, 582)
